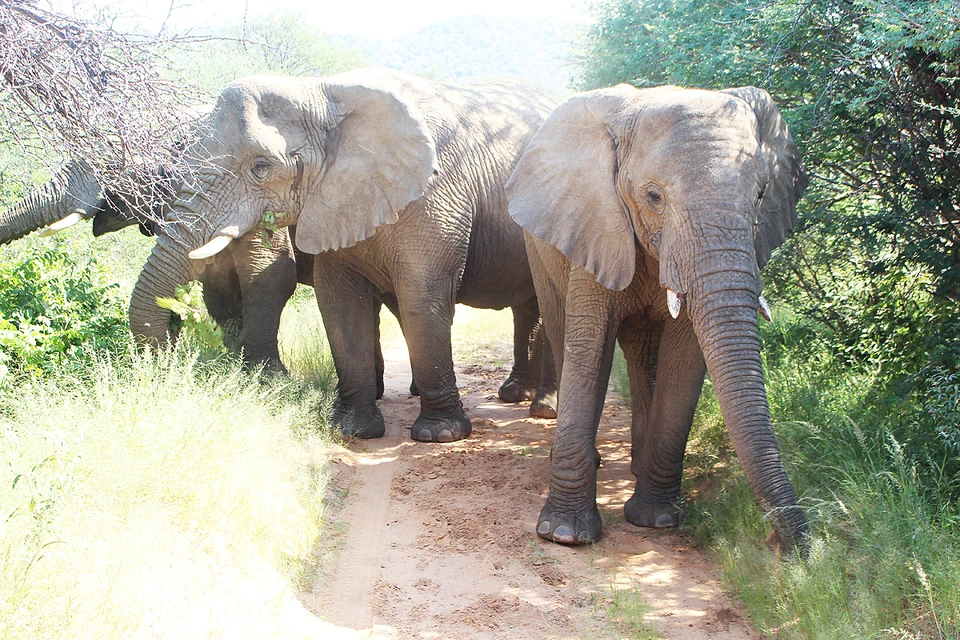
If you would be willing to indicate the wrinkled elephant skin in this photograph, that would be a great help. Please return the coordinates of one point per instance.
(649, 215)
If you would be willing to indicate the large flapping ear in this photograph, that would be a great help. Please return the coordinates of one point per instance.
(564, 191)
(379, 158)
(787, 180)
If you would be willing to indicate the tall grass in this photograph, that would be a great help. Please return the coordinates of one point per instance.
(875, 467)
(161, 497)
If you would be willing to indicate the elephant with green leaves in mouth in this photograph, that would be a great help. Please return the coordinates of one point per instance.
(245, 288)
(395, 185)
(649, 214)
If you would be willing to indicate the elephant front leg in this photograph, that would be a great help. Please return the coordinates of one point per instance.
(426, 318)
(349, 311)
(267, 273)
(570, 515)
(660, 440)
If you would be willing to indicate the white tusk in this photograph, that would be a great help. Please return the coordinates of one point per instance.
(212, 248)
(62, 224)
(673, 303)
(764, 309)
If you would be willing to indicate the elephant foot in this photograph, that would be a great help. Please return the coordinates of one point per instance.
(268, 364)
(658, 516)
(544, 406)
(433, 428)
(516, 389)
(569, 527)
(356, 423)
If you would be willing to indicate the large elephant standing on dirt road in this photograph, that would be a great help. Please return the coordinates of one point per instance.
(649, 215)
(395, 185)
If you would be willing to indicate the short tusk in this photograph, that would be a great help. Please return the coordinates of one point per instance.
(764, 309)
(673, 303)
(212, 248)
(62, 224)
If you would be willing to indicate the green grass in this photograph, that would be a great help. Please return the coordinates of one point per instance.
(628, 612)
(162, 496)
(878, 480)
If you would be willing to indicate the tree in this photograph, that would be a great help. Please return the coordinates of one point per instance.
(71, 87)
(281, 43)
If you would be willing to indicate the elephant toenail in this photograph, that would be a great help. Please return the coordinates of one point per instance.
(544, 528)
(663, 521)
(445, 435)
(564, 534)
(425, 435)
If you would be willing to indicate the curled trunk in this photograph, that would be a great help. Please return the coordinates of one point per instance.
(167, 267)
(73, 189)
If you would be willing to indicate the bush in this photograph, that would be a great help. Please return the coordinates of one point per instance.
(56, 312)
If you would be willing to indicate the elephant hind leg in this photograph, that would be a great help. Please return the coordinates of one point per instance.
(522, 382)
(544, 403)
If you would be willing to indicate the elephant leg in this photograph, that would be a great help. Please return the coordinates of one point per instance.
(394, 307)
(350, 318)
(267, 273)
(426, 319)
(544, 403)
(521, 384)
(659, 440)
(570, 515)
(223, 298)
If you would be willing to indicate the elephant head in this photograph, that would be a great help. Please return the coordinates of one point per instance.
(706, 184)
(336, 156)
(75, 194)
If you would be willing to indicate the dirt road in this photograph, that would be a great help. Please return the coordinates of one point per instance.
(438, 541)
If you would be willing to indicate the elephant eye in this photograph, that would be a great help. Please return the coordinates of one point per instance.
(760, 194)
(655, 197)
(259, 169)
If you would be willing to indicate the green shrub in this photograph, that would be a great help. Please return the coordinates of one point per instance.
(56, 311)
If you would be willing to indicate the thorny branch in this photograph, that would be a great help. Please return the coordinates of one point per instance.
(79, 89)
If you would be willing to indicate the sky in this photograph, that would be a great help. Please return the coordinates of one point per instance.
(372, 18)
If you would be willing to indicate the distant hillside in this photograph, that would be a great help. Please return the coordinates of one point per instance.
(475, 48)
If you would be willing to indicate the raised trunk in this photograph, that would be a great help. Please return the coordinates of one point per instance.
(167, 267)
(73, 189)
(725, 321)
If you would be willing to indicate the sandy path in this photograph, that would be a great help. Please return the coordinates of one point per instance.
(438, 541)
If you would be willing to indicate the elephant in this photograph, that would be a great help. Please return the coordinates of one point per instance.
(395, 185)
(251, 282)
(648, 215)
(244, 289)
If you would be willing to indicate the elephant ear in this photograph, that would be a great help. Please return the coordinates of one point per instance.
(563, 190)
(787, 180)
(379, 157)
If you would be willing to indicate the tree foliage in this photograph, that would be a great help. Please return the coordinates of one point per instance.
(870, 89)
(283, 42)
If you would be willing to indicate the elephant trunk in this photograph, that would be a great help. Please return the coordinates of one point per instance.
(723, 307)
(72, 190)
(167, 267)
